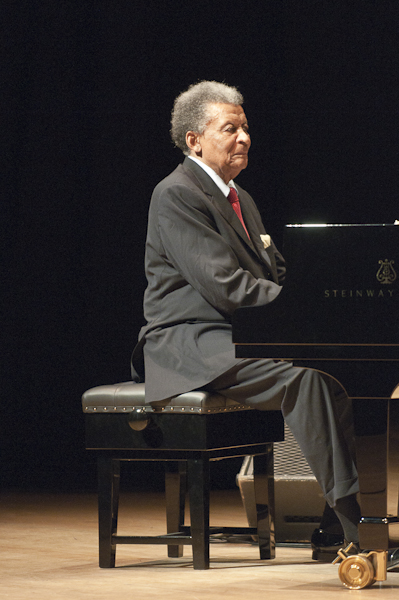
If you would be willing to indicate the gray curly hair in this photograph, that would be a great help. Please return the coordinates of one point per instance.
(191, 109)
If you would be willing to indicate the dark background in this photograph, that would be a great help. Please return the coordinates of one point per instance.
(88, 90)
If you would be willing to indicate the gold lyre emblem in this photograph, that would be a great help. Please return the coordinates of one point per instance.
(386, 273)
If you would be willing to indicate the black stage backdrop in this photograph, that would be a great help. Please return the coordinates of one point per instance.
(88, 90)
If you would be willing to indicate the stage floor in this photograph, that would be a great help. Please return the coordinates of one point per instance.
(49, 552)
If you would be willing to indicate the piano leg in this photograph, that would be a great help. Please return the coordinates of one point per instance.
(376, 423)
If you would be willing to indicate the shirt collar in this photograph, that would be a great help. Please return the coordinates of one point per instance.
(225, 189)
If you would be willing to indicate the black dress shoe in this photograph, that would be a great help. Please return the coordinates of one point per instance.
(325, 545)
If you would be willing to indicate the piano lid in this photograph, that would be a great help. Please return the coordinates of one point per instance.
(342, 224)
(342, 287)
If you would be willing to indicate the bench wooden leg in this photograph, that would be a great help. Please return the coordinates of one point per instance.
(264, 498)
(198, 489)
(175, 496)
(108, 500)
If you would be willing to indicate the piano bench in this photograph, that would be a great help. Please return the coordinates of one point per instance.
(187, 433)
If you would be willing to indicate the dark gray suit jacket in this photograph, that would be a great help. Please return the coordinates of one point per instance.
(200, 266)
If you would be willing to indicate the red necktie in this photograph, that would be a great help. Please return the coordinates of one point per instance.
(235, 203)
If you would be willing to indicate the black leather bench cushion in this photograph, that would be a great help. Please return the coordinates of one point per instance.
(130, 396)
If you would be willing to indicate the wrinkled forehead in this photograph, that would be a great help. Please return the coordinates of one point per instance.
(218, 113)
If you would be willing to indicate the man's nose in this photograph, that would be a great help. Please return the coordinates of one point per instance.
(243, 136)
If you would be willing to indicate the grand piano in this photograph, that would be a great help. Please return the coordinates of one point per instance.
(338, 312)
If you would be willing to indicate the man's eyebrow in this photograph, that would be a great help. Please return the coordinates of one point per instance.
(230, 122)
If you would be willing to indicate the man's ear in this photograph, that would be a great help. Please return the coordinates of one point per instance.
(193, 142)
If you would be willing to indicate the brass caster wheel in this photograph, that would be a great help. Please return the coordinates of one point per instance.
(356, 572)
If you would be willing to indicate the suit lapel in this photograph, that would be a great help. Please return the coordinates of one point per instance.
(252, 224)
(227, 211)
(223, 206)
(219, 200)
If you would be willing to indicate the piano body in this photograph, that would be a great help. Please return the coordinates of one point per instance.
(338, 312)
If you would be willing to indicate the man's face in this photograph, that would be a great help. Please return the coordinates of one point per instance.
(225, 142)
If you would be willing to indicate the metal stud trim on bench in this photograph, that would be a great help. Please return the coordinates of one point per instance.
(166, 409)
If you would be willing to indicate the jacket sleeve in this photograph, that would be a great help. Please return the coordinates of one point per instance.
(191, 243)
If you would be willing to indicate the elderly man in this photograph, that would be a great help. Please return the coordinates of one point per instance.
(208, 253)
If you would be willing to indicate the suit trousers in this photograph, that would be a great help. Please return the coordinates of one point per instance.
(315, 408)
